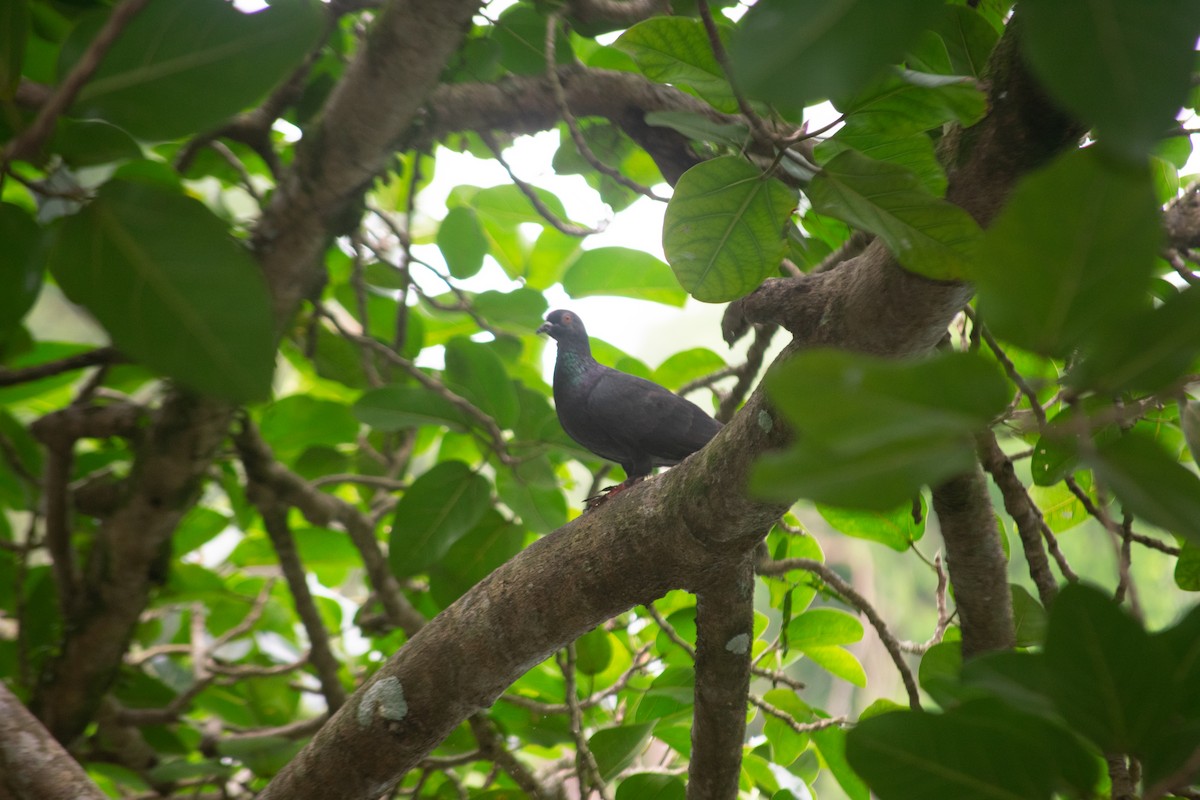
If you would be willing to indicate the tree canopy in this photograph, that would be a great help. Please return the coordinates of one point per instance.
(288, 512)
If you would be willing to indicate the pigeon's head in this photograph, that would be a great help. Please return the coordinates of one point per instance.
(564, 326)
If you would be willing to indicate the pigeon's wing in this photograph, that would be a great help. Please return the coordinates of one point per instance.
(656, 426)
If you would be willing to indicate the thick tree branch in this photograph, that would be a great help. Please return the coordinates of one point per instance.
(724, 634)
(33, 766)
(978, 568)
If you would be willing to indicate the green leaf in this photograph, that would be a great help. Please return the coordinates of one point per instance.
(1106, 673)
(1187, 568)
(490, 543)
(796, 52)
(462, 242)
(394, 408)
(532, 491)
(968, 37)
(1151, 484)
(521, 34)
(980, 751)
(904, 102)
(831, 743)
(823, 626)
(1124, 67)
(914, 153)
(182, 66)
(521, 309)
(676, 50)
(938, 672)
(1029, 617)
(622, 272)
(894, 527)
(479, 375)
(20, 271)
(724, 228)
(1070, 255)
(1153, 350)
(651, 786)
(438, 509)
(298, 421)
(687, 365)
(14, 28)
(786, 743)
(174, 291)
(699, 127)
(616, 747)
(838, 661)
(88, 142)
(928, 235)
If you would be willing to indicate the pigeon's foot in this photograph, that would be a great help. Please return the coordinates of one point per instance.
(597, 500)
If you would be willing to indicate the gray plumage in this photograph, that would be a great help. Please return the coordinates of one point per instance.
(620, 417)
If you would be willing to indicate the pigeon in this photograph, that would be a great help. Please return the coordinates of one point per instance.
(620, 417)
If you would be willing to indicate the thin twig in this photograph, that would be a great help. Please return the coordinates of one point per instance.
(586, 767)
(539, 205)
(30, 141)
(855, 599)
(92, 358)
(790, 721)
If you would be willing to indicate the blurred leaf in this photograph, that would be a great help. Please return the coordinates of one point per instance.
(982, 750)
(532, 491)
(894, 527)
(393, 408)
(831, 743)
(438, 509)
(1151, 484)
(490, 543)
(676, 50)
(699, 127)
(622, 272)
(1155, 348)
(929, 236)
(687, 365)
(1029, 617)
(520, 33)
(1187, 568)
(462, 242)
(14, 28)
(873, 431)
(905, 102)
(968, 37)
(1070, 255)
(913, 153)
(1106, 674)
(616, 747)
(88, 142)
(651, 786)
(521, 309)
(724, 228)
(838, 661)
(20, 270)
(1125, 68)
(479, 375)
(796, 52)
(293, 423)
(163, 80)
(171, 287)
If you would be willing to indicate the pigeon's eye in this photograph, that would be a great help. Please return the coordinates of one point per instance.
(566, 319)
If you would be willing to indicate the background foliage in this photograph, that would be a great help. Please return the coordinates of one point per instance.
(383, 438)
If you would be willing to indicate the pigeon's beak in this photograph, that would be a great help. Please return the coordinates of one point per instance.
(544, 327)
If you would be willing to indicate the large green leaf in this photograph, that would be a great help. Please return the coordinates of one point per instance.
(914, 153)
(472, 558)
(928, 235)
(622, 272)
(1151, 484)
(440, 507)
(20, 272)
(831, 744)
(1124, 67)
(462, 242)
(894, 527)
(298, 421)
(982, 750)
(651, 786)
(819, 627)
(1156, 348)
(871, 432)
(799, 51)
(394, 408)
(616, 747)
(181, 66)
(174, 291)
(532, 490)
(904, 102)
(479, 374)
(1108, 677)
(724, 228)
(1071, 254)
(676, 50)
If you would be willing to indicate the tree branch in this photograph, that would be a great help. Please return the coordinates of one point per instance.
(32, 765)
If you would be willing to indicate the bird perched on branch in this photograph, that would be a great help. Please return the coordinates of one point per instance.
(620, 417)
